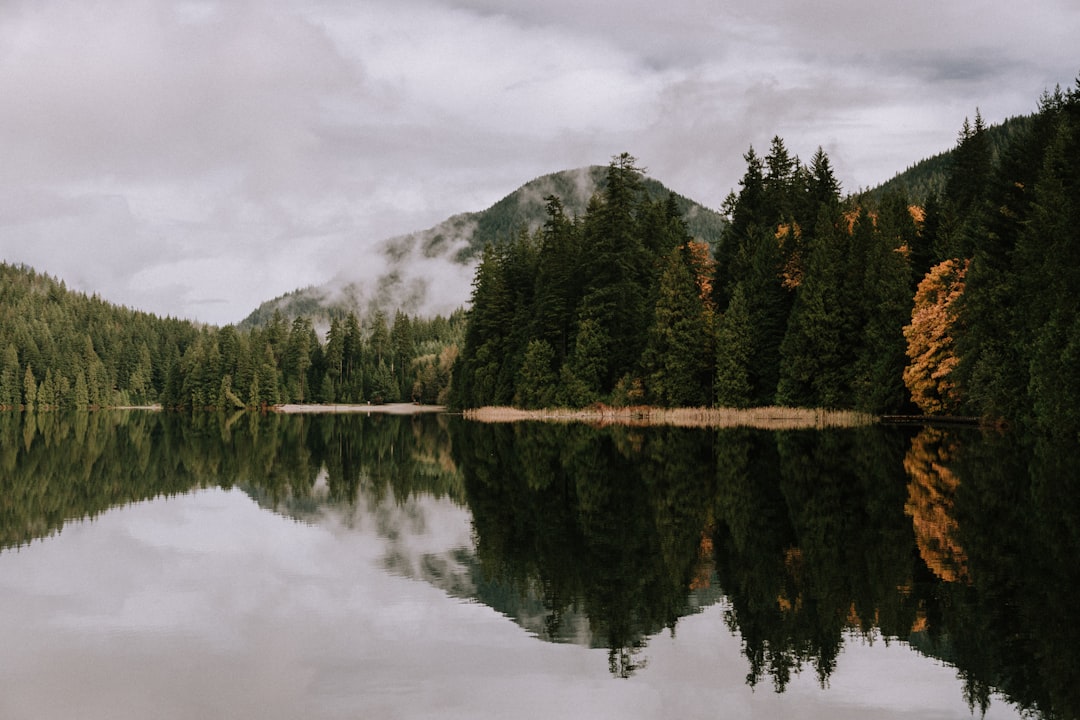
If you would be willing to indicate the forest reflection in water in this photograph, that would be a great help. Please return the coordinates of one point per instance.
(962, 545)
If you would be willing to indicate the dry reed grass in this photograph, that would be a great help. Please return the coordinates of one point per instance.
(765, 418)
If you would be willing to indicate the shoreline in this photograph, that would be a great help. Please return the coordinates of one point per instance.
(347, 409)
(764, 418)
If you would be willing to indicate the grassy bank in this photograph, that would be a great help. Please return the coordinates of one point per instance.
(766, 418)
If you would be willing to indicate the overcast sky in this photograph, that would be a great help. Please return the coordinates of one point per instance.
(196, 158)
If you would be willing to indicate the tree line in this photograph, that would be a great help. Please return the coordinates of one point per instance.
(963, 303)
(801, 302)
(67, 350)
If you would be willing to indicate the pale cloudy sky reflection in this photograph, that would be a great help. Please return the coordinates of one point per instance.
(206, 605)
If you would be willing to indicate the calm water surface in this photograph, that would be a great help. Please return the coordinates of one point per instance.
(154, 566)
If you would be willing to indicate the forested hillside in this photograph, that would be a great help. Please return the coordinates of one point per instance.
(63, 349)
(415, 262)
(67, 349)
(928, 177)
(964, 303)
(802, 302)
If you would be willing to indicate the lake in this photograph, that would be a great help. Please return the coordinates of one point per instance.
(351, 566)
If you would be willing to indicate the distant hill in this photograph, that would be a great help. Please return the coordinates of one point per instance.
(430, 271)
(928, 176)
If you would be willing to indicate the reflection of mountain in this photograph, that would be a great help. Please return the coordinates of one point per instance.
(606, 536)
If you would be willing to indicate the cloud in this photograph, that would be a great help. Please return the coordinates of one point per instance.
(197, 157)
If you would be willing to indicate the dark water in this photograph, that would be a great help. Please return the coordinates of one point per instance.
(153, 565)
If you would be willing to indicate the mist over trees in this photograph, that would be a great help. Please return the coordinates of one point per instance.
(802, 303)
(954, 292)
(67, 350)
(957, 300)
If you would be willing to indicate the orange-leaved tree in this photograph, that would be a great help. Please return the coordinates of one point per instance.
(930, 339)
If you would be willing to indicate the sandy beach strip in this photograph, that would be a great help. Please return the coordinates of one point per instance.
(767, 418)
(387, 409)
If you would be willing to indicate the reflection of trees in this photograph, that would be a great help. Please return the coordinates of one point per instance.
(931, 499)
(814, 535)
(57, 467)
(607, 522)
(812, 545)
(1013, 628)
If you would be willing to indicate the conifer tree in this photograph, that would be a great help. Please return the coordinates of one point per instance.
(558, 282)
(813, 356)
(881, 356)
(81, 397)
(29, 388)
(1049, 248)
(10, 393)
(581, 379)
(351, 388)
(965, 191)
(297, 360)
(537, 379)
(678, 354)
(746, 215)
(334, 356)
(404, 350)
(616, 269)
(734, 353)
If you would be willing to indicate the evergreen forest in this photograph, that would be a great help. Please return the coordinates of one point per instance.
(950, 292)
(67, 350)
(961, 301)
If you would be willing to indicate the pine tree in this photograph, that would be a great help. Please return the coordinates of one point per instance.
(581, 378)
(81, 397)
(352, 353)
(404, 350)
(537, 379)
(878, 374)
(297, 359)
(10, 393)
(558, 281)
(965, 190)
(678, 352)
(334, 356)
(734, 354)
(747, 216)
(769, 302)
(1049, 249)
(29, 388)
(617, 270)
(814, 361)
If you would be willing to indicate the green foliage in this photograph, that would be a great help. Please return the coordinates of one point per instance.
(1018, 313)
(537, 379)
(589, 289)
(678, 357)
(734, 354)
(59, 336)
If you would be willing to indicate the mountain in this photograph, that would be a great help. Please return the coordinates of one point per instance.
(928, 176)
(430, 271)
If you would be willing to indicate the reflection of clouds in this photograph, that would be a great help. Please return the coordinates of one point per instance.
(203, 605)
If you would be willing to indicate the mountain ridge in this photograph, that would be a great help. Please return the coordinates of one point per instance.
(413, 264)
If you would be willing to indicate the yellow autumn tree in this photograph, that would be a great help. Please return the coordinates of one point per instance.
(930, 345)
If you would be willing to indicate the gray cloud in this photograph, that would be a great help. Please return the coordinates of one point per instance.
(195, 158)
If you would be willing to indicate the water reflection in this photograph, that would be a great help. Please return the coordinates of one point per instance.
(961, 545)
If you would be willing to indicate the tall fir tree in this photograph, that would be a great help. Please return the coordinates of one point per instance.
(678, 356)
